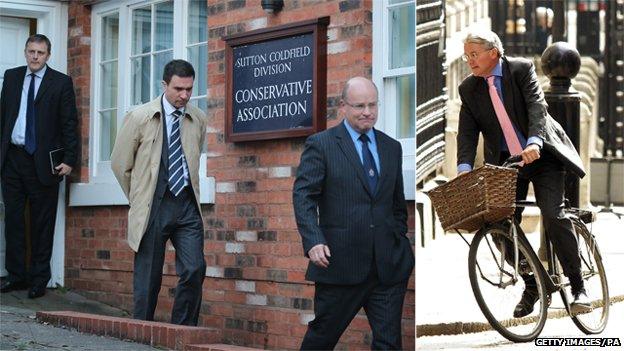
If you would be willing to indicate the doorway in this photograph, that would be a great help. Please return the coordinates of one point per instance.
(17, 22)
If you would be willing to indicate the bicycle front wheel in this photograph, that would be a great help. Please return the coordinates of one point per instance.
(498, 286)
(595, 281)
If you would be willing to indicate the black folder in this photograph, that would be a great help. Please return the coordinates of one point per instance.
(56, 158)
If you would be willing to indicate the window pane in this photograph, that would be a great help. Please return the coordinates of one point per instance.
(402, 36)
(198, 57)
(160, 60)
(164, 26)
(141, 30)
(392, 2)
(108, 132)
(140, 79)
(110, 36)
(197, 31)
(108, 85)
(406, 107)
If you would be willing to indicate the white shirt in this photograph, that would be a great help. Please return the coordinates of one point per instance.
(169, 119)
(18, 136)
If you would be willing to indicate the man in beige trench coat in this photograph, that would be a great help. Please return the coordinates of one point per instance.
(156, 161)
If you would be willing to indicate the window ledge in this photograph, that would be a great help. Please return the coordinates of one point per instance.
(110, 194)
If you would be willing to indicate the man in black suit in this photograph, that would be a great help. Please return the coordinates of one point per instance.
(38, 115)
(504, 92)
(352, 217)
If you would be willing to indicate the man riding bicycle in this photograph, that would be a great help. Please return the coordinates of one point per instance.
(503, 100)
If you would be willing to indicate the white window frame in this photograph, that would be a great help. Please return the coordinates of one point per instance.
(103, 188)
(388, 90)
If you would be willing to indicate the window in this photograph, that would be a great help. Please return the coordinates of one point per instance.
(394, 64)
(394, 72)
(197, 51)
(133, 40)
(108, 67)
(151, 48)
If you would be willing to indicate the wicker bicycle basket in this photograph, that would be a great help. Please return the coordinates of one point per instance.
(484, 195)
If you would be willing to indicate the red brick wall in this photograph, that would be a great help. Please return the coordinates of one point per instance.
(79, 68)
(255, 289)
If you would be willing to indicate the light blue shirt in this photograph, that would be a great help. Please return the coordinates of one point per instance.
(497, 72)
(18, 136)
(372, 145)
(169, 118)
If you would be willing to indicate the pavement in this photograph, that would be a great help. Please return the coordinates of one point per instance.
(553, 330)
(19, 329)
(445, 303)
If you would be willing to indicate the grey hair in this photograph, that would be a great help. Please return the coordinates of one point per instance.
(487, 38)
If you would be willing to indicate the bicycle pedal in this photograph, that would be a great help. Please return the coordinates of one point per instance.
(524, 268)
(548, 300)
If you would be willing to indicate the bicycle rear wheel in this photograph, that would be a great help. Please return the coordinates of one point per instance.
(498, 287)
(595, 281)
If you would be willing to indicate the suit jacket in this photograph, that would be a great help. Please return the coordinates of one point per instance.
(526, 107)
(55, 119)
(137, 157)
(334, 206)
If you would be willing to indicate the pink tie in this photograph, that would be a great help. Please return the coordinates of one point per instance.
(503, 118)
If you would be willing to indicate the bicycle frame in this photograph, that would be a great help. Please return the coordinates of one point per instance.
(519, 234)
(516, 233)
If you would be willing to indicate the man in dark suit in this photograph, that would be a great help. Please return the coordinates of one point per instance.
(352, 217)
(156, 161)
(503, 100)
(38, 115)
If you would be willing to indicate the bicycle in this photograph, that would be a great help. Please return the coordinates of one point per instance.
(496, 274)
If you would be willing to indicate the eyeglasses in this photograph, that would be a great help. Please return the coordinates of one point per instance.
(473, 55)
(362, 107)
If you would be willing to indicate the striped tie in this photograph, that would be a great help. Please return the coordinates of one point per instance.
(176, 157)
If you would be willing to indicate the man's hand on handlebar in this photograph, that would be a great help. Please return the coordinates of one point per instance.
(530, 154)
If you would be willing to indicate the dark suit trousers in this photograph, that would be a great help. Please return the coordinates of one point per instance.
(548, 175)
(19, 183)
(336, 305)
(177, 219)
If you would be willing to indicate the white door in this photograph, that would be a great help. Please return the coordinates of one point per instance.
(13, 34)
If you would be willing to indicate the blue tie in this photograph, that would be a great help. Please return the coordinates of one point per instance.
(30, 142)
(369, 163)
(176, 157)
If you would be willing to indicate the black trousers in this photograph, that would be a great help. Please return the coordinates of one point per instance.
(335, 306)
(20, 183)
(547, 175)
(177, 220)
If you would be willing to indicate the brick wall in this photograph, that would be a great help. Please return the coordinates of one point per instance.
(255, 289)
(79, 68)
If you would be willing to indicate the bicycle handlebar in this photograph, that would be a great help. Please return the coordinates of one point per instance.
(514, 161)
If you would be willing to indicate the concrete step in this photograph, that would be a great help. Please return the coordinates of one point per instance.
(171, 336)
(218, 347)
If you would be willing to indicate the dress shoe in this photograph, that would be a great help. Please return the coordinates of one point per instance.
(8, 286)
(581, 303)
(525, 306)
(36, 291)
